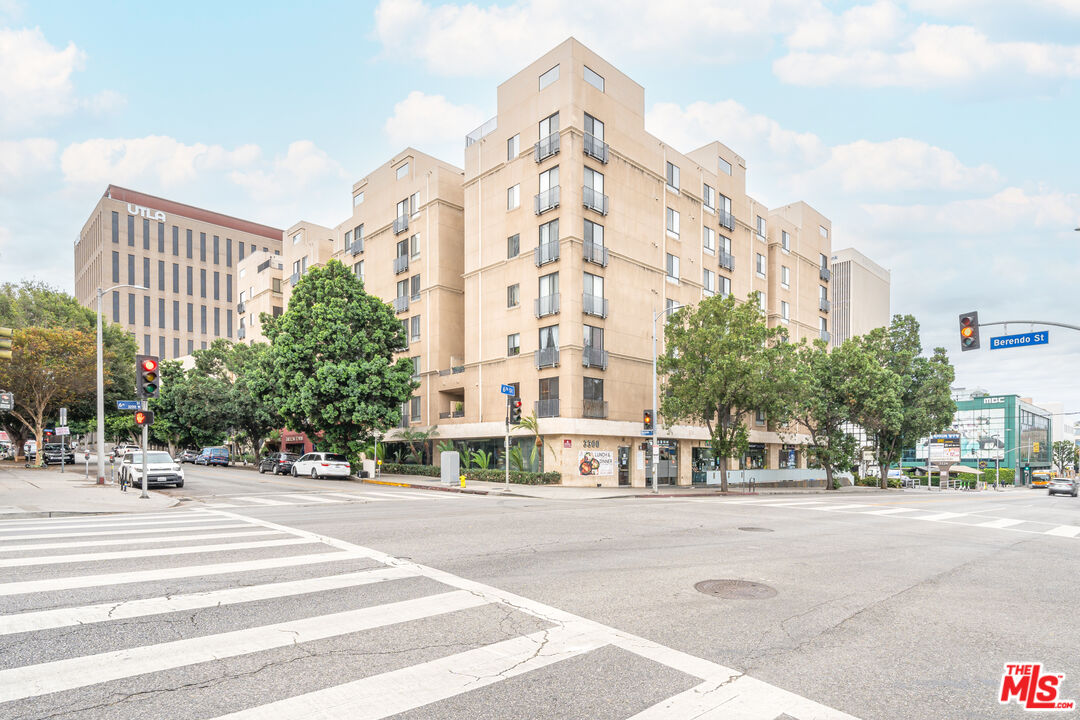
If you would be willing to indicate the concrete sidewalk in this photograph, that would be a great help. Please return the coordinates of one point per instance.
(561, 492)
(47, 493)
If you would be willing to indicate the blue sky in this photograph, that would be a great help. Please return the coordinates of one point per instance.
(940, 136)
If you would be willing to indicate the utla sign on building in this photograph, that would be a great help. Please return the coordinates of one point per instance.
(147, 213)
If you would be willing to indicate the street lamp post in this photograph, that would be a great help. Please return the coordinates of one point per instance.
(656, 400)
(101, 386)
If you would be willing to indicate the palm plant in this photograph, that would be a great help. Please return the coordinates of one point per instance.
(482, 458)
(532, 424)
(517, 460)
(417, 440)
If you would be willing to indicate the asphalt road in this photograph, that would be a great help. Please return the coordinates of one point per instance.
(267, 597)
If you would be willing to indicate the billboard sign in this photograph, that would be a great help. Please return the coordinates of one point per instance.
(945, 449)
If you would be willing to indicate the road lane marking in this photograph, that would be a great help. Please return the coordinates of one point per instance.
(941, 516)
(1000, 523)
(408, 688)
(130, 541)
(104, 533)
(309, 498)
(137, 576)
(59, 675)
(850, 506)
(889, 511)
(198, 521)
(351, 496)
(95, 518)
(149, 552)
(738, 698)
(260, 500)
(103, 612)
(1064, 531)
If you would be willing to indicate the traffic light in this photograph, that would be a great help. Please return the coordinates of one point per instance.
(5, 343)
(144, 418)
(969, 331)
(147, 377)
(515, 411)
(647, 420)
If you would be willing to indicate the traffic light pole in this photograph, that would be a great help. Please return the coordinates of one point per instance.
(101, 386)
(145, 439)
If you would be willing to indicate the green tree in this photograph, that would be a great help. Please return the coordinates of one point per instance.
(721, 364)
(49, 369)
(332, 361)
(917, 400)
(250, 408)
(1065, 455)
(832, 388)
(535, 461)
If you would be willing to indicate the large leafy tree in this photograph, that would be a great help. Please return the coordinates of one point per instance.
(722, 362)
(49, 368)
(918, 401)
(833, 388)
(331, 360)
(250, 404)
(1064, 454)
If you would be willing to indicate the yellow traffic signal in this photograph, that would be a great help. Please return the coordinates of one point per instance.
(6, 335)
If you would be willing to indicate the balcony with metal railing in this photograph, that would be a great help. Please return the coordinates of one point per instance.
(401, 304)
(595, 253)
(546, 357)
(547, 408)
(596, 148)
(594, 200)
(594, 305)
(357, 247)
(825, 273)
(824, 305)
(401, 264)
(486, 129)
(548, 252)
(594, 409)
(726, 260)
(241, 332)
(594, 357)
(727, 220)
(547, 200)
(240, 308)
(546, 147)
(547, 305)
(401, 224)
(294, 278)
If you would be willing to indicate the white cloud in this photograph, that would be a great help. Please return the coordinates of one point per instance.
(1010, 210)
(158, 159)
(868, 46)
(302, 165)
(22, 159)
(797, 162)
(433, 124)
(465, 39)
(35, 77)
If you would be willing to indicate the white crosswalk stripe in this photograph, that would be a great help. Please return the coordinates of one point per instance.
(370, 593)
(326, 498)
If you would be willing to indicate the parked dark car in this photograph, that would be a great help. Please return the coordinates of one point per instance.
(187, 456)
(278, 463)
(54, 452)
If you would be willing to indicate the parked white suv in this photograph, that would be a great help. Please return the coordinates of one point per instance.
(320, 464)
(161, 469)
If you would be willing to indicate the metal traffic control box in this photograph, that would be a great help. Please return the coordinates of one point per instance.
(450, 463)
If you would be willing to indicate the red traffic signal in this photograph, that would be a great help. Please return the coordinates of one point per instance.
(144, 418)
(149, 364)
(969, 331)
(515, 411)
(147, 377)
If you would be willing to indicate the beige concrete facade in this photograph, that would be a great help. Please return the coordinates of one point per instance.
(862, 295)
(187, 256)
(260, 283)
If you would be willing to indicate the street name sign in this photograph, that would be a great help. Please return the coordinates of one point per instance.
(507, 390)
(1022, 340)
(127, 405)
(646, 433)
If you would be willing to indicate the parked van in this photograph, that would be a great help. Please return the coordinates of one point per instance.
(213, 456)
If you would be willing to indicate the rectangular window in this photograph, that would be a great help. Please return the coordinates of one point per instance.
(594, 285)
(513, 197)
(593, 337)
(823, 292)
(594, 127)
(513, 147)
(415, 283)
(594, 181)
(592, 389)
(785, 276)
(549, 77)
(188, 237)
(594, 78)
(131, 308)
(708, 239)
(761, 227)
(709, 282)
(116, 229)
(202, 319)
(161, 313)
(190, 346)
(228, 322)
(549, 285)
(146, 311)
(146, 344)
(202, 247)
(414, 245)
(785, 241)
(175, 348)
(549, 126)
(823, 231)
(672, 266)
(402, 170)
(161, 237)
(708, 197)
(414, 203)
(594, 234)
(275, 283)
(176, 315)
(358, 198)
(358, 237)
(190, 284)
(176, 278)
(115, 306)
(190, 317)
(217, 246)
(761, 300)
(228, 252)
(175, 241)
(549, 233)
(115, 267)
(513, 344)
(784, 310)
(724, 165)
(549, 179)
(405, 331)
(823, 325)
(146, 233)
(760, 267)
(217, 322)
(723, 203)
(228, 288)
(414, 327)
(414, 408)
(673, 222)
(131, 270)
(358, 270)
(131, 230)
(673, 176)
(723, 285)
(217, 285)
(161, 275)
(513, 295)
(202, 283)
(513, 246)
(146, 272)
(823, 261)
(759, 417)
(549, 337)
(549, 388)
(240, 250)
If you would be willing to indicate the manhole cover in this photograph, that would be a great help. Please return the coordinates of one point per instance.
(755, 529)
(735, 589)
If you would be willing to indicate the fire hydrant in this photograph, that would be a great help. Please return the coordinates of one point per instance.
(462, 479)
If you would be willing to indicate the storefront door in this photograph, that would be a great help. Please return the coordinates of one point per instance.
(624, 465)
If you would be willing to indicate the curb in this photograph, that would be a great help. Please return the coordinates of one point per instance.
(466, 491)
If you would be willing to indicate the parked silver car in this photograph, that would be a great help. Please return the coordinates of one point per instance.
(1064, 486)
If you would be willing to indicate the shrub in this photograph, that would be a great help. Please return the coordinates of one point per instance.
(399, 469)
(516, 476)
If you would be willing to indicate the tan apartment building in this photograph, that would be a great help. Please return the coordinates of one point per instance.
(861, 295)
(259, 284)
(188, 257)
(580, 229)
